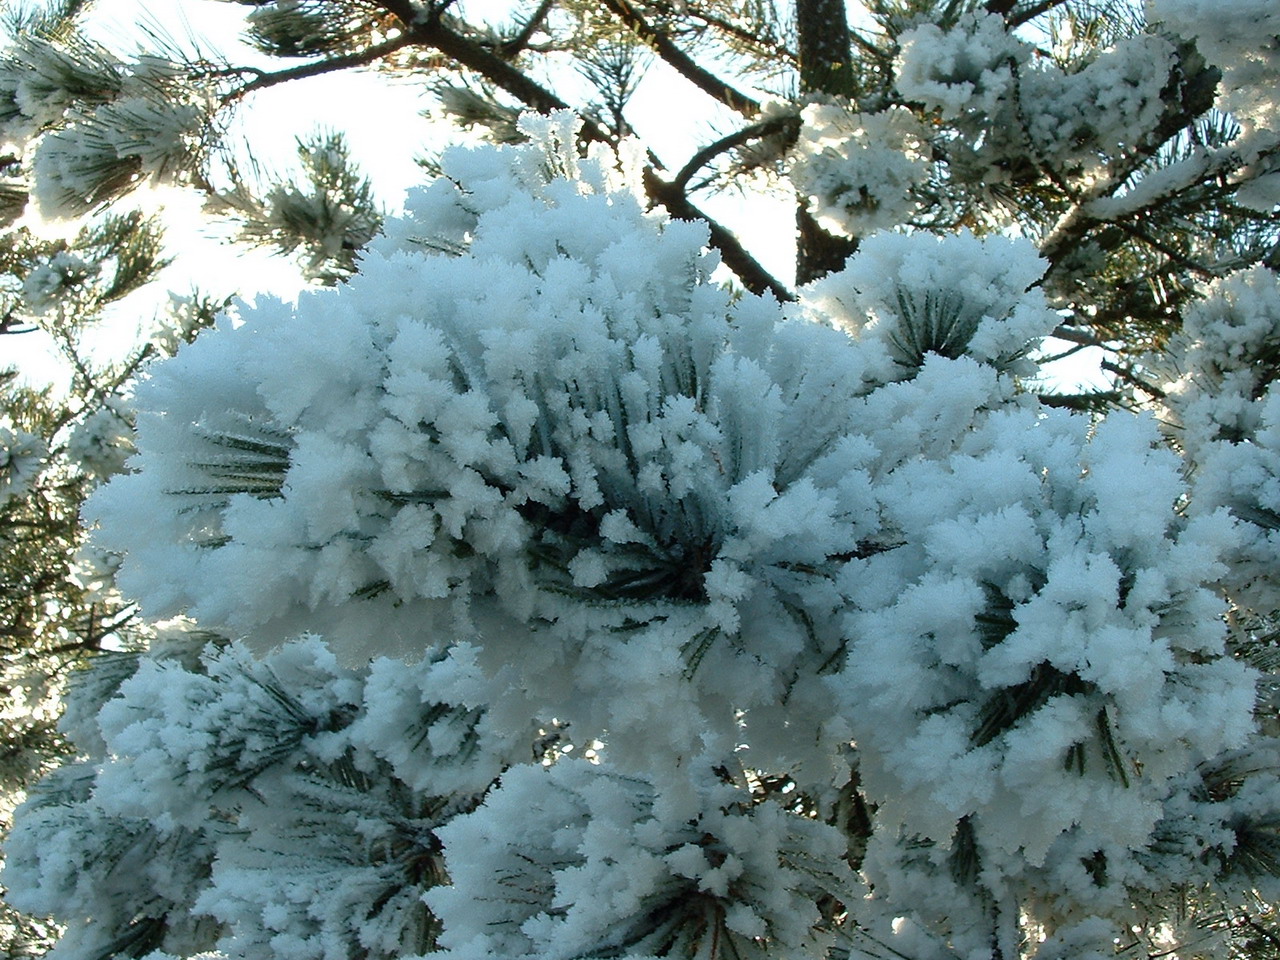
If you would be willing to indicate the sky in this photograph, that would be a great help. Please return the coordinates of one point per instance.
(386, 134)
(380, 116)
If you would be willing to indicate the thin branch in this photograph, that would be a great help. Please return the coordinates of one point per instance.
(68, 347)
(1130, 377)
(361, 59)
(742, 36)
(1071, 351)
(520, 41)
(790, 125)
(433, 32)
(681, 62)
(82, 645)
(1263, 931)
(1075, 335)
(1191, 266)
(97, 391)
(866, 46)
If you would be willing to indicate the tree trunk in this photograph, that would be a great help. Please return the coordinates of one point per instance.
(826, 66)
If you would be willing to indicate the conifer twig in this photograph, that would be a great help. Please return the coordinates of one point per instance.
(680, 61)
(435, 33)
(520, 41)
(329, 65)
(789, 125)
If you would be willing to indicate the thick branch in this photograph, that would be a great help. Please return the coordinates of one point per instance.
(1007, 8)
(680, 61)
(432, 32)
(1083, 402)
(1034, 11)
(753, 276)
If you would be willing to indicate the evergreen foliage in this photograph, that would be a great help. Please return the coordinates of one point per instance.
(550, 580)
(58, 608)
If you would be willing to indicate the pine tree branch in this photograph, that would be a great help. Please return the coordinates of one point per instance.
(1007, 8)
(520, 42)
(435, 33)
(1077, 336)
(1083, 402)
(1262, 931)
(95, 391)
(753, 276)
(1073, 225)
(1181, 259)
(9, 322)
(1071, 351)
(432, 31)
(1130, 377)
(680, 61)
(873, 55)
(428, 29)
(1193, 85)
(788, 125)
(746, 37)
(329, 65)
(1032, 12)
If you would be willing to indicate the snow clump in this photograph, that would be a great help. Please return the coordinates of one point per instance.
(786, 599)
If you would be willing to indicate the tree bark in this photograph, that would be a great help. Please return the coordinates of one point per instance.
(826, 58)
(826, 67)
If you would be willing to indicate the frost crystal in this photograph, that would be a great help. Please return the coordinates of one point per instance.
(968, 68)
(858, 169)
(1224, 411)
(1243, 39)
(574, 439)
(1008, 109)
(48, 282)
(697, 625)
(21, 457)
(103, 441)
(952, 296)
(600, 866)
(105, 152)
